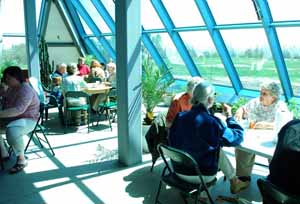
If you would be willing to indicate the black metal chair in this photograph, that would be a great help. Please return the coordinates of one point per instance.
(272, 194)
(169, 177)
(39, 128)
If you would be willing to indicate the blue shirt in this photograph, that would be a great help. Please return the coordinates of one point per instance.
(202, 135)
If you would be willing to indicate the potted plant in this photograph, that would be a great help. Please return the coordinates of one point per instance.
(155, 83)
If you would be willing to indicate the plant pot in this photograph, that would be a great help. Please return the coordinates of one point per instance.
(145, 129)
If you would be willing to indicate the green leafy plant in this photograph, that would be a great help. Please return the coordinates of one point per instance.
(155, 83)
(293, 106)
(240, 102)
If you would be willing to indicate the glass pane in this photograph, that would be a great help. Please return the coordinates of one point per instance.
(233, 11)
(290, 44)
(251, 55)
(183, 13)
(85, 26)
(205, 56)
(285, 10)
(110, 7)
(150, 19)
(100, 48)
(37, 10)
(13, 52)
(93, 13)
(13, 12)
(168, 52)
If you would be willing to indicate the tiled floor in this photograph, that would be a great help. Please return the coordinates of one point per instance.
(85, 171)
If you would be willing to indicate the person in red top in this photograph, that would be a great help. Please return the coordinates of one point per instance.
(181, 102)
(83, 69)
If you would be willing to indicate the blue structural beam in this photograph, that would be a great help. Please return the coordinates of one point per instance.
(145, 38)
(275, 48)
(90, 46)
(219, 44)
(84, 14)
(43, 17)
(179, 44)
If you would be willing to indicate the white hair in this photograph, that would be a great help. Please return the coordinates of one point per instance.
(202, 92)
(192, 83)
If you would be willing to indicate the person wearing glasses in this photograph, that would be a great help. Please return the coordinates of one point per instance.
(261, 112)
(203, 135)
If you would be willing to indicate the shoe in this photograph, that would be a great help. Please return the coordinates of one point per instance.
(236, 185)
(245, 178)
(17, 168)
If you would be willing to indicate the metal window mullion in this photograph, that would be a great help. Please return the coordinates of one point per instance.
(153, 52)
(181, 48)
(84, 14)
(105, 15)
(219, 44)
(93, 49)
(275, 48)
(43, 18)
(74, 22)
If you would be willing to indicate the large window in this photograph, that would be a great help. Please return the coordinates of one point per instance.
(251, 55)
(291, 54)
(205, 56)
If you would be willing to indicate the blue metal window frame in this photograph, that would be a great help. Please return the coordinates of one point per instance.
(84, 14)
(90, 47)
(219, 44)
(178, 42)
(275, 48)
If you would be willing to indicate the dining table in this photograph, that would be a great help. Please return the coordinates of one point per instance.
(261, 142)
(97, 88)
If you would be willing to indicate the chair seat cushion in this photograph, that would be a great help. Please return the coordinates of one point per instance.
(111, 104)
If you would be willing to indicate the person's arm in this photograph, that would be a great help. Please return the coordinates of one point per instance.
(24, 100)
(172, 112)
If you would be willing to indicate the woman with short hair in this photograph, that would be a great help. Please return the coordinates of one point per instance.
(20, 114)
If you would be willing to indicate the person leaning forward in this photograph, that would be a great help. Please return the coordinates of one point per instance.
(203, 135)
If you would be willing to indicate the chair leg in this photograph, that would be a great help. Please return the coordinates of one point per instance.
(30, 138)
(153, 163)
(47, 141)
(158, 192)
(108, 116)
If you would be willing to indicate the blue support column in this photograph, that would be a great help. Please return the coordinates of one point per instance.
(31, 38)
(275, 48)
(84, 14)
(128, 46)
(219, 44)
(169, 25)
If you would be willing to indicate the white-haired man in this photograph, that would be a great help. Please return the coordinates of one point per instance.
(203, 135)
(181, 102)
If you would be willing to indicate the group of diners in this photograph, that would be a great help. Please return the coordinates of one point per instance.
(75, 77)
(194, 129)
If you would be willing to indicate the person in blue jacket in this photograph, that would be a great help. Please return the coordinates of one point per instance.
(203, 135)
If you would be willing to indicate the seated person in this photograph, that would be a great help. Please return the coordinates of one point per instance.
(181, 102)
(285, 164)
(202, 135)
(74, 82)
(19, 115)
(111, 69)
(57, 78)
(262, 111)
(83, 69)
(97, 72)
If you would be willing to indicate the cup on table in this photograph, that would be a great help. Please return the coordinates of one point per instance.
(251, 124)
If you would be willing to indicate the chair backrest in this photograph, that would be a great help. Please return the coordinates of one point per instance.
(180, 158)
(274, 195)
(78, 94)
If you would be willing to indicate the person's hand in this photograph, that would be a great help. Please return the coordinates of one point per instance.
(227, 110)
(239, 114)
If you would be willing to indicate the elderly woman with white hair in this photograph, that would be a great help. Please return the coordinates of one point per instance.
(261, 113)
(203, 135)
